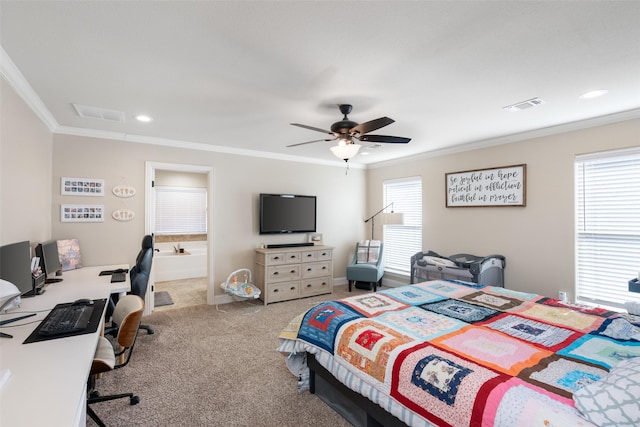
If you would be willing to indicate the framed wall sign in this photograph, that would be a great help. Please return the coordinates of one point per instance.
(81, 187)
(81, 213)
(502, 186)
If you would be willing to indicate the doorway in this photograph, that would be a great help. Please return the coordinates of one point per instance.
(150, 217)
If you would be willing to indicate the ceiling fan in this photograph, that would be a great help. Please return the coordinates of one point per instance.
(345, 131)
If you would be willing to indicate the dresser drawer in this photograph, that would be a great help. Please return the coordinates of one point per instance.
(324, 255)
(316, 269)
(316, 286)
(278, 258)
(283, 273)
(283, 291)
(309, 256)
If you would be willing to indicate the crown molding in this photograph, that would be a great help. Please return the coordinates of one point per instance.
(166, 142)
(18, 82)
(517, 137)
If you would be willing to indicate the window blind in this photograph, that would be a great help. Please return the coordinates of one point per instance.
(402, 241)
(181, 210)
(607, 226)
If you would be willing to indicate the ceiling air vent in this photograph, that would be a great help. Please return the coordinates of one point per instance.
(524, 105)
(99, 113)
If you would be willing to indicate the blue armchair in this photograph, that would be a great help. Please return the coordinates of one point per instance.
(367, 264)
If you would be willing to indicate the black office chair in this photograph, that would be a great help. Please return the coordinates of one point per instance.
(127, 313)
(140, 272)
(139, 277)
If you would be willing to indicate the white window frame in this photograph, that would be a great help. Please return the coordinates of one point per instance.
(607, 241)
(402, 241)
(181, 210)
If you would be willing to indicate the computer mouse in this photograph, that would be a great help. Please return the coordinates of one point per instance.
(83, 301)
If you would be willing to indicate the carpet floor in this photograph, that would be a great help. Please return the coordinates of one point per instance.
(215, 366)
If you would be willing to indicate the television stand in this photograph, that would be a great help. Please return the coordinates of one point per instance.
(289, 273)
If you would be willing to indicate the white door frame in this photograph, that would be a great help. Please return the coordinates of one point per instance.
(150, 173)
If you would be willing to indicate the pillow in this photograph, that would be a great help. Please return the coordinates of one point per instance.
(613, 400)
(439, 261)
(368, 252)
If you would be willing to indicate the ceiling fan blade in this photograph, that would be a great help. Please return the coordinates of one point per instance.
(384, 138)
(367, 127)
(312, 128)
(310, 142)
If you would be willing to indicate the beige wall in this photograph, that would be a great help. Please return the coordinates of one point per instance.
(181, 179)
(537, 240)
(237, 182)
(25, 172)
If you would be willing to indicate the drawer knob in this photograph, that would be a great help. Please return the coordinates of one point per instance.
(309, 269)
(275, 273)
(324, 283)
(308, 285)
(309, 255)
(293, 288)
(293, 271)
(275, 290)
(324, 267)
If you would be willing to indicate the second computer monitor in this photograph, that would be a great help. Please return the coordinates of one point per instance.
(50, 260)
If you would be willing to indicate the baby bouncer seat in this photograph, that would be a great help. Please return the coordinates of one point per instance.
(239, 284)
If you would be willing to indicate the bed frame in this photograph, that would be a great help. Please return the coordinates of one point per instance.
(353, 406)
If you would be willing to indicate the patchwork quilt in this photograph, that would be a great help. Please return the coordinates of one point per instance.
(449, 353)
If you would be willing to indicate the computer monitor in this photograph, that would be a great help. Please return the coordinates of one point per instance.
(15, 266)
(50, 261)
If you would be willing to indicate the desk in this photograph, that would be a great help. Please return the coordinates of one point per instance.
(48, 379)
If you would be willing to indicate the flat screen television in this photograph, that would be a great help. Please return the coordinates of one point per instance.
(15, 266)
(287, 213)
(50, 261)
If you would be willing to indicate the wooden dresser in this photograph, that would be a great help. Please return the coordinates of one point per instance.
(289, 273)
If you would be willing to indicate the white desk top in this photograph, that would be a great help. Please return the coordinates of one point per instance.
(48, 378)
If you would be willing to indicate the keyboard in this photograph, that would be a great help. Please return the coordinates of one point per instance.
(66, 319)
(118, 277)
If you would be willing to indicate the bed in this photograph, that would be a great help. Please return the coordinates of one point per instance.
(451, 353)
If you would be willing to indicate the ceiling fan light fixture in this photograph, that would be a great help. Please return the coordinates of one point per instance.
(345, 151)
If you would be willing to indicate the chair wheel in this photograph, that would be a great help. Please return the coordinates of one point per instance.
(134, 400)
(94, 394)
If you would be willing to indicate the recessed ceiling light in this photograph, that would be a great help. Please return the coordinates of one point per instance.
(143, 118)
(593, 94)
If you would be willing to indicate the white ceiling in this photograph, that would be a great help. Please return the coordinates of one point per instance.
(235, 74)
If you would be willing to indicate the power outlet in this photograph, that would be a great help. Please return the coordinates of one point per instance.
(562, 296)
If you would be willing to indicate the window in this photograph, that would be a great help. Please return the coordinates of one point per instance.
(607, 226)
(181, 210)
(402, 241)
